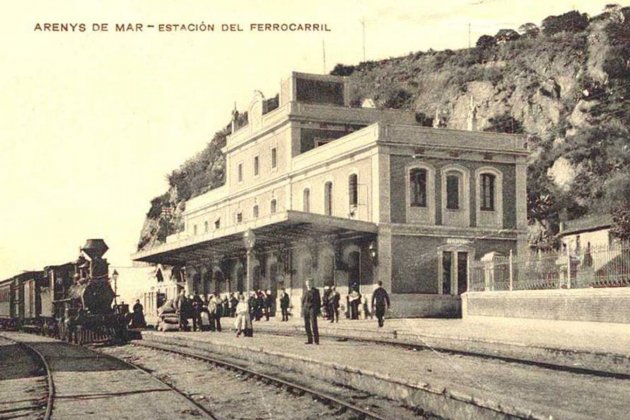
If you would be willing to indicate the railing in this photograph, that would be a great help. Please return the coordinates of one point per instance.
(601, 266)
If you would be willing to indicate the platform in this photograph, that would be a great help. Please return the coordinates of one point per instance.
(450, 385)
(589, 345)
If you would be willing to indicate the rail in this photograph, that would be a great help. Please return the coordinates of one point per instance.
(329, 399)
(50, 383)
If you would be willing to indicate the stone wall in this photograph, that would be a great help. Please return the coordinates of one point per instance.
(595, 305)
(424, 306)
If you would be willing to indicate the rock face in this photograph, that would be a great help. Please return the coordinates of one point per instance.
(566, 91)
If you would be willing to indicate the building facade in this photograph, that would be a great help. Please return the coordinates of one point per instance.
(349, 196)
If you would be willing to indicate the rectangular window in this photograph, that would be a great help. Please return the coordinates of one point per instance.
(274, 158)
(194, 229)
(328, 191)
(274, 206)
(255, 211)
(353, 190)
(487, 191)
(255, 165)
(217, 223)
(306, 200)
(240, 172)
(239, 217)
(418, 186)
(452, 192)
(205, 225)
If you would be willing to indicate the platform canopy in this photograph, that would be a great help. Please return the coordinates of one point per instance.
(275, 231)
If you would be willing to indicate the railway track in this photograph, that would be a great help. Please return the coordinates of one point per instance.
(337, 406)
(39, 358)
(188, 406)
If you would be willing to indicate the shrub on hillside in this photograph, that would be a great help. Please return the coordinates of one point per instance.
(573, 21)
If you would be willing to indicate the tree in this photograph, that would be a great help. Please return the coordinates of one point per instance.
(342, 70)
(529, 30)
(506, 35)
(573, 21)
(486, 41)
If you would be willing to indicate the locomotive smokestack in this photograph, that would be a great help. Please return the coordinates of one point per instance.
(95, 248)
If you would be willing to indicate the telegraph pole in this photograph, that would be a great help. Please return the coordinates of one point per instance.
(363, 25)
(468, 35)
(324, 55)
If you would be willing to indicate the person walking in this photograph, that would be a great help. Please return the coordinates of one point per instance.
(311, 306)
(284, 305)
(380, 302)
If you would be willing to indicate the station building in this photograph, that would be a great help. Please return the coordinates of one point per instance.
(316, 188)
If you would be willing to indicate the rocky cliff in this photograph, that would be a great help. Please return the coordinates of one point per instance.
(564, 85)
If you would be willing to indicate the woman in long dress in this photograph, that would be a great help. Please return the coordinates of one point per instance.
(243, 321)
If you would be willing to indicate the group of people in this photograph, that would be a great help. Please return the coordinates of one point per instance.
(206, 311)
(312, 306)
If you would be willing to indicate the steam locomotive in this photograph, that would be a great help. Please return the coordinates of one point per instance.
(72, 301)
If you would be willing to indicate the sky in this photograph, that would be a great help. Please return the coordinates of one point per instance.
(92, 122)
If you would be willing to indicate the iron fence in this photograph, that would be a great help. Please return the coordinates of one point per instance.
(598, 266)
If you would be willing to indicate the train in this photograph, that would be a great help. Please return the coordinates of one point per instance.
(72, 301)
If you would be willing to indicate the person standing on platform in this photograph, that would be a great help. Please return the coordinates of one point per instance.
(218, 313)
(181, 305)
(311, 306)
(243, 322)
(197, 304)
(380, 302)
(326, 302)
(284, 305)
(333, 304)
(137, 320)
(233, 303)
(354, 299)
(269, 298)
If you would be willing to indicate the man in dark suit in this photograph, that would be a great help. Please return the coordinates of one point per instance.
(380, 301)
(311, 305)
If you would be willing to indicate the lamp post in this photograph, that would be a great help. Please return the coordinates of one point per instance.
(373, 250)
(249, 239)
(115, 277)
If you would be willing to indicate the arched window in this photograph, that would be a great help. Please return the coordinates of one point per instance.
(255, 211)
(452, 191)
(306, 200)
(488, 182)
(273, 206)
(489, 197)
(418, 187)
(328, 191)
(353, 190)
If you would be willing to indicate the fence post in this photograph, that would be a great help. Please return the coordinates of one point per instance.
(568, 268)
(511, 268)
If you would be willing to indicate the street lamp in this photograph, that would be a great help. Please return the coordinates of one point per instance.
(249, 239)
(115, 277)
